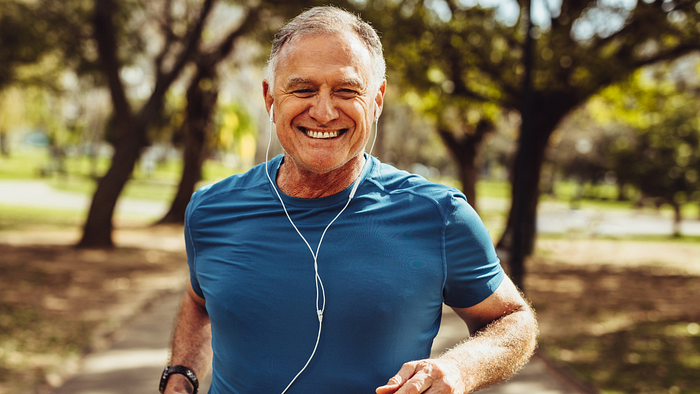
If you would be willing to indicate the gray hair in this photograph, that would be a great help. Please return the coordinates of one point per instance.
(329, 20)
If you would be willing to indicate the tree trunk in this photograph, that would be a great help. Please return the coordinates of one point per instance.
(4, 146)
(198, 127)
(97, 232)
(518, 239)
(677, 219)
(621, 192)
(464, 150)
(131, 129)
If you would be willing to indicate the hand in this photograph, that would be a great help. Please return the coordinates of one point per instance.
(430, 376)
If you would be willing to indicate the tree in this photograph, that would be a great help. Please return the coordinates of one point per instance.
(427, 54)
(38, 41)
(658, 148)
(202, 96)
(580, 48)
(131, 127)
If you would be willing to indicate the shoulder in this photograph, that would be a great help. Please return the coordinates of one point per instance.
(394, 181)
(231, 187)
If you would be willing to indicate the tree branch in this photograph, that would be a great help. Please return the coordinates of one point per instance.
(163, 82)
(674, 53)
(224, 48)
(170, 37)
(105, 35)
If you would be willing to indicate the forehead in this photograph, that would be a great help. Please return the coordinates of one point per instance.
(318, 57)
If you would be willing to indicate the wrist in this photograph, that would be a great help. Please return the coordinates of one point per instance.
(179, 384)
(185, 380)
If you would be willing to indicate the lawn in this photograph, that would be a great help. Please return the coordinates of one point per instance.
(80, 174)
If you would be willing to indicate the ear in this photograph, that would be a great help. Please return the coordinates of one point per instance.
(379, 100)
(267, 95)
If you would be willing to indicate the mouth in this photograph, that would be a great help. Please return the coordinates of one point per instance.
(322, 135)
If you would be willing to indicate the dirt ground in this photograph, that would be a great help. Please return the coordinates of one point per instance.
(632, 280)
(58, 302)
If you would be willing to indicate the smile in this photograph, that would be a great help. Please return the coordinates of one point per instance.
(322, 134)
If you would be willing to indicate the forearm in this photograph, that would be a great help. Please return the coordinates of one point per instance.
(497, 351)
(191, 345)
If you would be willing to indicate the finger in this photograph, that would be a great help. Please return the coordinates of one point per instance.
(388, 389)
(419, 383)
(405, 373)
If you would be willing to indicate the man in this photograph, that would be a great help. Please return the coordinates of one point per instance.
(324, 270)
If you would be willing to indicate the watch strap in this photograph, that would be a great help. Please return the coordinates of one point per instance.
(178, 370)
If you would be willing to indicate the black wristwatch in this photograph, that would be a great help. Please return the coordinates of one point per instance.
(178, 369)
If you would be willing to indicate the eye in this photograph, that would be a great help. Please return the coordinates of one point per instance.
(347, 93)
(304, 93)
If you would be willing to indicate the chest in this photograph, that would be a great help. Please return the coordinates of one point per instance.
(371, 264)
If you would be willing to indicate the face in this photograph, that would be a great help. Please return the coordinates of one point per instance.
(323, 100)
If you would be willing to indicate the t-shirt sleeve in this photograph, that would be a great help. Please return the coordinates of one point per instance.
(190, 245)
(473, 270)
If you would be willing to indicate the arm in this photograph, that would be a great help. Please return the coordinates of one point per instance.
(504, 337)
(191, 345)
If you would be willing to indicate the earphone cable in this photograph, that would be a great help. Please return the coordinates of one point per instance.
(320, 309)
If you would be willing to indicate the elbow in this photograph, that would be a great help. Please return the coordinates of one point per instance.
(529, 331)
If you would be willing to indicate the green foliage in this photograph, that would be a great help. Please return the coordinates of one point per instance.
(466, 51)
(39, 39)
(233, 122)
(439, 63)
(658, 146)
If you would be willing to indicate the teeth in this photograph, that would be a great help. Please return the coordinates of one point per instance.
(321, 135)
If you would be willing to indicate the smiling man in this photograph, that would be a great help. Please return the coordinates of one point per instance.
(324, 270)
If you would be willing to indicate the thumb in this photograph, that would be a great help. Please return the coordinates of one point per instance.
(391, 386)
(396, 381)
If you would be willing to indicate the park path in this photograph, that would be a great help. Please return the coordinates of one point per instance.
(134, 363)
(40, 194)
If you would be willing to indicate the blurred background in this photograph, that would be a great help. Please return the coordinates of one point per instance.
(573, 128)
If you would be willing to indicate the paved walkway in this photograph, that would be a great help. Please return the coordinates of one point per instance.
(135, 361)
(40, 194)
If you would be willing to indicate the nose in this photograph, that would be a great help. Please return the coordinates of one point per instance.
(323, 111)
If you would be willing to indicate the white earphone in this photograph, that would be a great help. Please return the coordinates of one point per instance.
(320, 291)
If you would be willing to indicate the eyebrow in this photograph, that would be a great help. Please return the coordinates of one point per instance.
(295, 81)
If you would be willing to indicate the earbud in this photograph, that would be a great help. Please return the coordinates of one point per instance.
(271, 113)
(376, 112)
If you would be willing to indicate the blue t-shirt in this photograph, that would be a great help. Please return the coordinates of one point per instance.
(402, 248)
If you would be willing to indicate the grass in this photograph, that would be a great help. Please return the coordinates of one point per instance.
(79, 176)
(21, 218)
(493, 189)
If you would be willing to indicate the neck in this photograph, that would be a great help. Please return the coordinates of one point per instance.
(296, 181)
